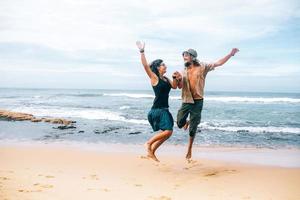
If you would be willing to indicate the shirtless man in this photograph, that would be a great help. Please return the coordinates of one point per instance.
(192, 83)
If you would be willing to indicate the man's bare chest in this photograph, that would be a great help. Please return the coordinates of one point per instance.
(195, 73)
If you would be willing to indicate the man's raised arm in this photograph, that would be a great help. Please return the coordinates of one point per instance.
(226, 58)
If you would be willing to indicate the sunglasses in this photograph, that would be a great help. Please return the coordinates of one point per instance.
(185, 54)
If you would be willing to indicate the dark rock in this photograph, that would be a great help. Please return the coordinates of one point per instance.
(135, 133)
(242, 131)
(36, 120)
(17, 116)
(64, 127)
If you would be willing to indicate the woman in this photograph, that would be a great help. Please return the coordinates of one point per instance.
(159, 116)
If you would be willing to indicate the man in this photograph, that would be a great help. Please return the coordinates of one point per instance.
(192, 83)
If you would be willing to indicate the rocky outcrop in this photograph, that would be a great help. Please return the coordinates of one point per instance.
(18, 116)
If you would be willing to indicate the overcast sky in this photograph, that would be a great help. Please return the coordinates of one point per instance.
(91, 43)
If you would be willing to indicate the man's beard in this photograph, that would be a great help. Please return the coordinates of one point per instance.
(187, 64)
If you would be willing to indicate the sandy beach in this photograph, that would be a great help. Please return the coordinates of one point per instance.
(47, 172)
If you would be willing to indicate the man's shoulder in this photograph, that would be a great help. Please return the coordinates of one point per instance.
(202, 63)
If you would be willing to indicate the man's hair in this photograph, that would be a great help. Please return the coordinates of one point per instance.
(154, 66)
(195, 62)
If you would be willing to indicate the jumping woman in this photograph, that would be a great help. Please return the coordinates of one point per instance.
(159, 116)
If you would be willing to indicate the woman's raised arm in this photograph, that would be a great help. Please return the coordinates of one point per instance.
(141, 47)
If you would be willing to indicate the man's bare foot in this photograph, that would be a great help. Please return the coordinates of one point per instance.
(188, 156)
(152, 156)
(186, 126)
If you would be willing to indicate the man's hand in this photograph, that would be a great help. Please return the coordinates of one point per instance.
(176, 75)
(140, 45)
(234, 51)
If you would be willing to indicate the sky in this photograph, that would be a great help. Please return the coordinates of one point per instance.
(90, 44)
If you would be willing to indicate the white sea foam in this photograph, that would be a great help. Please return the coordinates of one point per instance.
(116, 116)
(254, 99)
(131, 95)
(78, 113)
(226, 99)
(124, 107)
(266, 100)
(253, 129)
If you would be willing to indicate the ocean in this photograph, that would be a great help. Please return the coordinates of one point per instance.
(229, 119)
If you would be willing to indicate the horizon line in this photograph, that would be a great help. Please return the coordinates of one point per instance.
(46, 88)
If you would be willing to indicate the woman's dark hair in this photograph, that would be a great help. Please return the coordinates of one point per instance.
(154, 66)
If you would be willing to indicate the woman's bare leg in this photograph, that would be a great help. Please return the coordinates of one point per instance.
(157, 144)
(164, 135)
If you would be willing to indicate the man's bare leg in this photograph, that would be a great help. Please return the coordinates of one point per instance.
(189, 152)
(186, 126)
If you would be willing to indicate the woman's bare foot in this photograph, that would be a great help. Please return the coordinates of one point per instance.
(186, 126)
(152, 156)
(147, 147)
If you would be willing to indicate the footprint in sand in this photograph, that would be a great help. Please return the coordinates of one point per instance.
(226, 171)
(46, 176)
(176, 186)
(27, 191)
(92, 176)
(97, 189)
(105, 190)
(165, 169)
(8, 171)
(4, 178)
(191, 166)
(160, 198)
(212, 173)
(47, 186)
(49, 176)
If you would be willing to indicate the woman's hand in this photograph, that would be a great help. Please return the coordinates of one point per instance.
(140, 45)
(176, 75)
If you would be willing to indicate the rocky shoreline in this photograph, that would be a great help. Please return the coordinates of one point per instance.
(18, 116)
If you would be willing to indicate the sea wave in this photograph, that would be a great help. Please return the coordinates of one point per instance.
(124, 107)
(80, 95)
(226, 99)
(130, 95)
(254, 99)
(252, 129)
(102, 114)
(79, 113)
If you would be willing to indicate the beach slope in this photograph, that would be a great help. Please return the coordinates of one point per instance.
(69, 173)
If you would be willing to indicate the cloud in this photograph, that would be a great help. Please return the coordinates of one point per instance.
(90, 24)
(93, 36)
